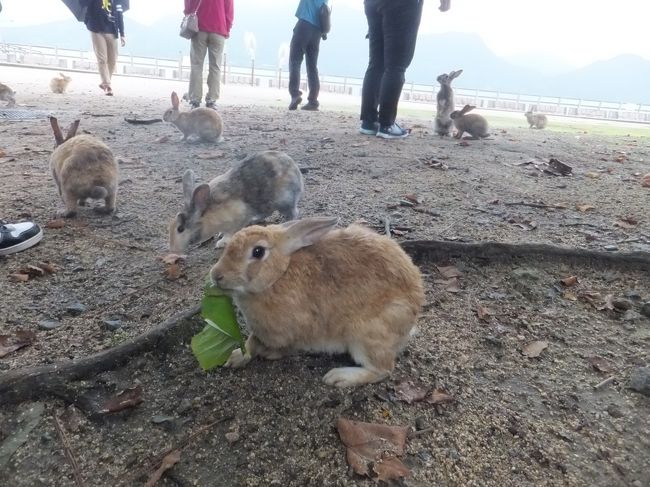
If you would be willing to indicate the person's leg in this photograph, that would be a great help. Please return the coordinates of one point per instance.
(197, 55)
(311, 62)
(111, 58)
(99, 46)
(296, 54)
(216, 43)
(372, 78)
(400, 25)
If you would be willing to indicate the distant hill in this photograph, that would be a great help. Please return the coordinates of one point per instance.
(345, 53)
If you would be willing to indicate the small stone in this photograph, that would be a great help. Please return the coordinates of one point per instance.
(75, 309)
(48, 324)
(232, 436)
(397, 215)
(633, 294)
(4, 366)
(112, 325)
(159, 418)
(645, 309)
(631, 316)
(640, 380)
(420, 423)
(184, 407)
(622, 304)
(78, 268)
(611, 248)
(100, 262)
(614, 411)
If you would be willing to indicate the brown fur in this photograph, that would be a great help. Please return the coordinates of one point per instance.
(84, 167)
(59, 84)
(205, 123)
(8, 95)
(474, 124)
(347, 290)
(536, 120)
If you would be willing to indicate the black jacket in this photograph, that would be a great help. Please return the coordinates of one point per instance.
(104, 16)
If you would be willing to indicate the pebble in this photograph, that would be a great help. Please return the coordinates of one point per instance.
(614, 411)
(159, 418)
(112, 325)
(633, 294)
(420, 423)
(645, 309)
(611, 248)
(640, 380)
(631, 316)
(75, 309)
(184, 407)
(623, 304)
(232, 436)
(48, 324)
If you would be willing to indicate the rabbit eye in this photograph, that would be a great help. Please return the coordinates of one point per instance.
(180, 229)
(258, 252)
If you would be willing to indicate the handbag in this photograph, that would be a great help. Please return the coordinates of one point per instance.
(325, 14)
(190, 24)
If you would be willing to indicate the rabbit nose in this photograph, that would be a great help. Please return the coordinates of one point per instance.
(216, 277)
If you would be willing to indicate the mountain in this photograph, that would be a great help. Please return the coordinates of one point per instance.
(345, 53)
(541, 62)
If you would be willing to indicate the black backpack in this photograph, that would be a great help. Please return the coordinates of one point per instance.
(325, 15)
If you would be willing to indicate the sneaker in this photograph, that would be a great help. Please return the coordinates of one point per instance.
(295, 101)
(368, 128)
(311, 107)
(210, 104)
(19, 236)
(194, 104)
(392, 132)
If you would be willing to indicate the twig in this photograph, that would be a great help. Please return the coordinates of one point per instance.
(426, 212)
(535, 205)
(140, 121)
(68, 451)
(413, 434)
(581, 224)
(607, 381)
(387, 225)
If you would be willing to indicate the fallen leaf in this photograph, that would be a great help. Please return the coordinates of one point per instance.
(608, 304)
(645, 181)
(439, 396)
(600, 364)
(163, 139)
(463, 143)
(32, 271)
(629, 220)
(20, 339)
(558, 167)
(449, 271)
(127, 398)
(49, 268)
(412, 198)
(211, 155)
(591, 297)
(451, 285)
(620, 157)
(372, 449)
(172, 258)
(408, 392)
(593, 175)
(173, 272)
(534, 349)
(568, 295)
(484, 313)
(624, 224)
(58, 223)
(584, 207)
(19, 277)
(569, 281)
(168, 462)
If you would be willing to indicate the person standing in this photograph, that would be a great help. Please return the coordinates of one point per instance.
(305, 43)
(215, 21)
(392, 33)
(105, 21)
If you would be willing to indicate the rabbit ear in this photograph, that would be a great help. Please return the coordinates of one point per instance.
(467, 108)
(175, 101)
(58, 136)
(455, 74)
(200, 198)
(302, 233)
(188, 187)
(72, 130)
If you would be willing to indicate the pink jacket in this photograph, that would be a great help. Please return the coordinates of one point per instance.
(214, 15)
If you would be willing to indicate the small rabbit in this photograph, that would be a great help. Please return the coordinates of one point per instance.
(252, 190)
(305, 286)
(205, 123)
(537, 120)
(445, 99)
(8, 95)
(83, 167)
(59, 84)
(474, 124)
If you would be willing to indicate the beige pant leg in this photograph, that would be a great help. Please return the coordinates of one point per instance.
(197, 56)
(216, 43)
(111, 54)
(100, 48)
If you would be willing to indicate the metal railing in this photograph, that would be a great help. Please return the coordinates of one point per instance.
(179, 69)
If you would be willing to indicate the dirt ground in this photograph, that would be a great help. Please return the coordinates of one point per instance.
(516, 421)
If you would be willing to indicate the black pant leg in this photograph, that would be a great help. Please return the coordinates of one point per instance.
(296, 53)
(372, 78)
(311, 61)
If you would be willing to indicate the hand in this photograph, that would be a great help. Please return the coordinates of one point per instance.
(444, 5)
(123, 41)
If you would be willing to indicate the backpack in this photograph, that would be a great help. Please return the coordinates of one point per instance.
(325, 14)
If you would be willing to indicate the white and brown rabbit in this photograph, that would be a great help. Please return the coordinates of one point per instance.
(536, 120)
(252, 190)
(83, 167)
(445, 99)
(305, 286)
(8, 95)
(473, 123)
(204, 123)
(59, 84)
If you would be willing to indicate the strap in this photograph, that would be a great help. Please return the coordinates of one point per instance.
(197, 7)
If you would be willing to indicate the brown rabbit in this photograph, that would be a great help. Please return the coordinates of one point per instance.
(445, 101)
(305, 286)
(83, 167)
(8, 95)
(204, 123)
(536, 120)
(474, 124)
(59, 84)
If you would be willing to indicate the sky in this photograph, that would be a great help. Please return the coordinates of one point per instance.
(576, 32)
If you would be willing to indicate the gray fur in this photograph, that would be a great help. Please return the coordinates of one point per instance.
(445, 101)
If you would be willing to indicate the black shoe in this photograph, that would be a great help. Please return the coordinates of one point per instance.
(210, 104)
(295, 101)
(194, 104)
(311, 107)
(392, 132)
(368, 128)
(19, 236)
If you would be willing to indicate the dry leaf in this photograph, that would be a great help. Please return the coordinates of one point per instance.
(645, 181)
(569, 296)
(449, 271)
(625, 225)
(21, 339)
(19, 277)
(163, 139)
(630, 220)
(211, 155)
(172, 258)
(600, 364)
(608, 304)
(463, 143)
(48, 268)
(584, 207)
(173, 272)
(409, 393)
(58, 223)
(372, 449)
(593, 175)
(168, 462)
(127, 398)
(534, 349)
(569, 281)
(412, 198)
(32, 271)
(591, 297)
(397, 232)
(439, 396)
(451, 285)
(484, 313)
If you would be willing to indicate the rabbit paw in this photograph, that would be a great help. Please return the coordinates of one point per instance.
(221, 243)
(350, 376)
(237, 359)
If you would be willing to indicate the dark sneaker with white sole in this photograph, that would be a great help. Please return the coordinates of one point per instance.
(295, 101)
(392, 132)
(16, 237)
(368, 128)
(310, 107)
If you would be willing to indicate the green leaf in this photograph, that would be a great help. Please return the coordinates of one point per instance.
(212, 347)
